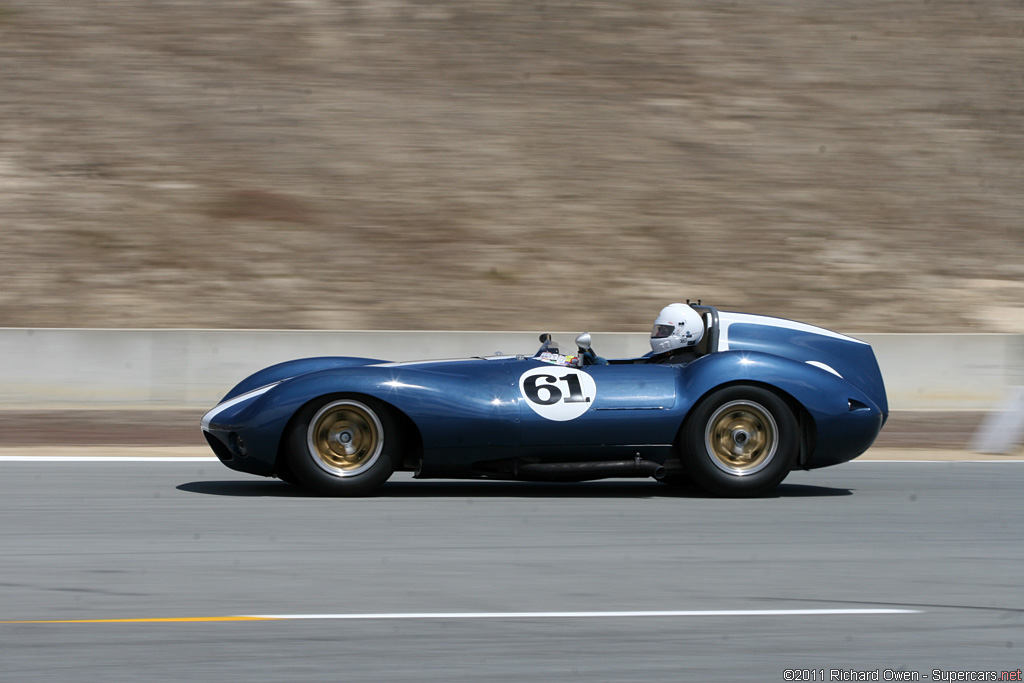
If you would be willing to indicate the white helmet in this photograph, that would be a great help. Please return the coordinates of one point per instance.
(676, 327)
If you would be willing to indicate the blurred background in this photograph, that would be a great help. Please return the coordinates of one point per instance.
(485, 164)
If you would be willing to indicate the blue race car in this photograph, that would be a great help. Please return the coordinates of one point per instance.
(730, 401)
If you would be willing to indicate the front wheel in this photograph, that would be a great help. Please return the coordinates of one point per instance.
(343, 446)
(740, 441)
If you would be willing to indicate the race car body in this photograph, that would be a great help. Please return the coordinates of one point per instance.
(761, 397)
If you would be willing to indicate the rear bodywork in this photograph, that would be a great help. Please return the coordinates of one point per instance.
(493, 417)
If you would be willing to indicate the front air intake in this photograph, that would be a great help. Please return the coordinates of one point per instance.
(219, 449)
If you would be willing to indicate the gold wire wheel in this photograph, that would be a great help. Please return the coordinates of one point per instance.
(741, 437)
(345, 438)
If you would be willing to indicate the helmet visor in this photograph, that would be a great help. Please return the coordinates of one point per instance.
(662, 331)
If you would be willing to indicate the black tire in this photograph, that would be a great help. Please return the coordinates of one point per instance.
(343, 446)
(740, 441)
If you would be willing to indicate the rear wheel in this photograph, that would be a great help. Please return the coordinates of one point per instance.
(343, 446)
(740, 441)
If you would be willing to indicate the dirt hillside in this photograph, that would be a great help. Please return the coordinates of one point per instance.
(487, 164)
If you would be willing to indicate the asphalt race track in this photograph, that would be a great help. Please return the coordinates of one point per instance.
(870, 566)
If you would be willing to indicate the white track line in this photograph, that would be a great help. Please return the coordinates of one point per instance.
(104, 458)
(934, 462)
(589, 615)
(481, 615)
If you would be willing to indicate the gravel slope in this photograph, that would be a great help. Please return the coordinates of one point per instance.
(482, 164)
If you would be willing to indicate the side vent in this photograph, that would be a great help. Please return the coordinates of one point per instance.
(856, 405)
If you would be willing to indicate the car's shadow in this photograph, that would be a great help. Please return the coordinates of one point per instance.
(500, 489)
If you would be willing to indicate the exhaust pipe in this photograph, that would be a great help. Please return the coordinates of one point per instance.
(588, 471)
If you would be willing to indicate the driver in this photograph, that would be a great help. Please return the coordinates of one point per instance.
(676, 331)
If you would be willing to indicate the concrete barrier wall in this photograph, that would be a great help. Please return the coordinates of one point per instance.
(949, 372)
(87, 368)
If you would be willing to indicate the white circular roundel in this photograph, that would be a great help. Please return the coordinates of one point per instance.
(558, 393)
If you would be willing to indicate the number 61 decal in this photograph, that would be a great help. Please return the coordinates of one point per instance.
(558, 394)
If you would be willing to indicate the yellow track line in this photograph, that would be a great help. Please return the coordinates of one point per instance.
(155, 620)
